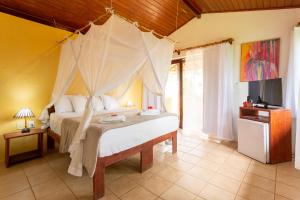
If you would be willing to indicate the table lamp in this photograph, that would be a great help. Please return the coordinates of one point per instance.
(24, 113)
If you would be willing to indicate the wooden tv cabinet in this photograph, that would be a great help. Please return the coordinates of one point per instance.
(280, 130)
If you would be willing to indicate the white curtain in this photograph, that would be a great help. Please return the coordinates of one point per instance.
(107, 56)
(292, 96)
(218, 91)
(193, 91)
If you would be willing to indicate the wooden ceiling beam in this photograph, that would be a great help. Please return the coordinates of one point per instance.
(194, 7)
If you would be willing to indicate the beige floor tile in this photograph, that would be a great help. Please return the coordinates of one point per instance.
(287, 191)
(207, 164)
(48, 188)
(278, 197)
(106, 197)
(215, 158)
(180, 165)
(34, 163)
(230, 172)
(201, 173)
(261, 182)
(199, 198)
(64, 194)
(156, 185)
(224, 154)
(81, 186)
(138, 193)
(188, 158)
(170, 174)
(289, 169)
(41, 177)
(237, 163)
(253, 193)
(23, 195)
(138, 176)
(121, 186)
(113, 173)
(224, 148)
(5, 171)
(177, 193)
(239, 198)
(37, 169)
(198, 152)
(226, 183)
(212, 192)
(157, 167)
(208, 169)
(12, 177)
(191, 184)
(12, 183)
(289, 180)
(183, 148)
(266, 171)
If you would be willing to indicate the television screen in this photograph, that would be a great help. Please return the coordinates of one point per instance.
(270, 91)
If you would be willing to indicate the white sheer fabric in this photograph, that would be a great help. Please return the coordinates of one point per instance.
(193, 91)
(292, 97)
(218, 91)
(293, 73)
(65, 74)
(110, 55)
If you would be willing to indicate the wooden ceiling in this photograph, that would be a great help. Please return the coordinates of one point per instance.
(158, 15)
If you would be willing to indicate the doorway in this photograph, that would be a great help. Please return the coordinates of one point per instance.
(184, 94)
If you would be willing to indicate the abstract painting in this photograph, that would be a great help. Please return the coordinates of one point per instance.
(260, 60)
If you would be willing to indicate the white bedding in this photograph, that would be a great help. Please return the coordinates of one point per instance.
(120, 139)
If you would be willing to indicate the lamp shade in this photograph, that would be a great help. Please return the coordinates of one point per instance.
(24, 113)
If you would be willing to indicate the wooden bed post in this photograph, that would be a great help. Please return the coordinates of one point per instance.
(174, 142)
(98, 180)
(146, 160)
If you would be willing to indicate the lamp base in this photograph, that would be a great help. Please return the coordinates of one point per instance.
(25, 130)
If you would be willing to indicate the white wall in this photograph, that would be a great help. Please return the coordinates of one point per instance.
(242, 27)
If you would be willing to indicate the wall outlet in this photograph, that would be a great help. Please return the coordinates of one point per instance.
(20, 124)
(30, 124)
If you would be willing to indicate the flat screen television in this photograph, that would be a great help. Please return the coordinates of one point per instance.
(268, 92)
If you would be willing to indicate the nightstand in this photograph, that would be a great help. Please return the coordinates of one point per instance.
(13, 159)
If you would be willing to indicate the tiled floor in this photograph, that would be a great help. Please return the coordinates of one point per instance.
(200, 170)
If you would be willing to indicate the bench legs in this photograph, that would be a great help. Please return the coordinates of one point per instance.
(174, 142)
(146, 160)
(98, 180)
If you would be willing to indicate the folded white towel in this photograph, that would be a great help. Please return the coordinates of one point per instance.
(150, 112)
(116, 118)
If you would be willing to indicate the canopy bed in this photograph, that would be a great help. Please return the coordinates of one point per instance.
(107, 56)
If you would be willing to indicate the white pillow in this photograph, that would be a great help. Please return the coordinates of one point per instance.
(110, 103)
(97, 104)
(78, 103)
(63, 105)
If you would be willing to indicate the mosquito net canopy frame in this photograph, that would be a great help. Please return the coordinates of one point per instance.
(107, 56)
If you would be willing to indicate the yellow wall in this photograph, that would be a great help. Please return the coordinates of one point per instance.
(28, 66)
(27, 71)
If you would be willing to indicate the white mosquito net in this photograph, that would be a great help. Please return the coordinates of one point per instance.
(107, 56)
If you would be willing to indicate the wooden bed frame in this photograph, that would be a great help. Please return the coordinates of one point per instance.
(145, 150)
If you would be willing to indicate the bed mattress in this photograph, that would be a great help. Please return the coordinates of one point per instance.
(120, 139)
